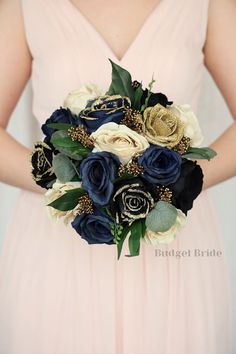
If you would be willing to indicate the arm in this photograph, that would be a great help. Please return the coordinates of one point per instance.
(220, 58)
(15, 69)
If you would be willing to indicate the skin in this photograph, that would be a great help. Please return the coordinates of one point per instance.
(220, 55)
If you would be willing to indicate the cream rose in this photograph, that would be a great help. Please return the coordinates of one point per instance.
(119, 140)
(57, 190)
(77, 100)
(192, 129)
(155, 238)
(161, 126)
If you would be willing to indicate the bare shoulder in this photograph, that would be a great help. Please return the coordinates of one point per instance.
(15, 58)
(220, 48)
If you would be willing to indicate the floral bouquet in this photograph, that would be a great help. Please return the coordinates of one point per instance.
(120, 164)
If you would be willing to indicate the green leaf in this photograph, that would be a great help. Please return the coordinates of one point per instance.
(65, 145)
(76, 152)
(137, 98)
(63, 167)
(59, 134)
(205, 153)
(121, 242)
(73, 153)
(65, 142)
(76, 178)
(59, 126)
(162, 217)
(134, 239)
(69, 200)
(150, 85)
(144, 227)
(121, 82)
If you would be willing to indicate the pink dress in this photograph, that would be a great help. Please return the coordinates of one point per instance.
(59, 295)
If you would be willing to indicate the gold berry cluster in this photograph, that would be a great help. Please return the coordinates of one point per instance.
(85, 205)
(133, 120)
(80, 134)
(165, 194)
(132, 168)
(183, 145)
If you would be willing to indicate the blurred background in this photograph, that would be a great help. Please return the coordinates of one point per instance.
(214, 118)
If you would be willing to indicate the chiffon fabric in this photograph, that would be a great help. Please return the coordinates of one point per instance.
(59, 295)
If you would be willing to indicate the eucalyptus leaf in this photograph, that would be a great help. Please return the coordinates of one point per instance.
(63, 168)
(68, 201)
(76, 165)
(73, 153)
(50, 184)
(162, 217)
(121, 82)
(205, 153)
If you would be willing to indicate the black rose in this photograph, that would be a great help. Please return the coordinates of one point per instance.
(103, 110)
(61, 115)
(41, 161)
(188, 186)
(131, 201)
(154, 97)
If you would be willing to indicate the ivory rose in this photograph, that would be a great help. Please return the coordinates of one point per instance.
(77, 100)
(119, 140)
(192, 129)
(57, 190)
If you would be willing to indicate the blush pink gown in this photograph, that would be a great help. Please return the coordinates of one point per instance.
(59, 295)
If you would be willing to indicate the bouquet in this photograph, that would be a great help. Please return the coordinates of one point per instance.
(120, 164)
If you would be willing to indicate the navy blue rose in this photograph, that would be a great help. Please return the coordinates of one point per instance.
(61, 115)
(95, 227)
(161, 165)
(98, 170)
(103, 110)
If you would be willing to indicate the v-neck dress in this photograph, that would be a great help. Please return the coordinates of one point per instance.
(59, 295)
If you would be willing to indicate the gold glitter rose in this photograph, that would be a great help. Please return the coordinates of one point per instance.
(161, 126)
